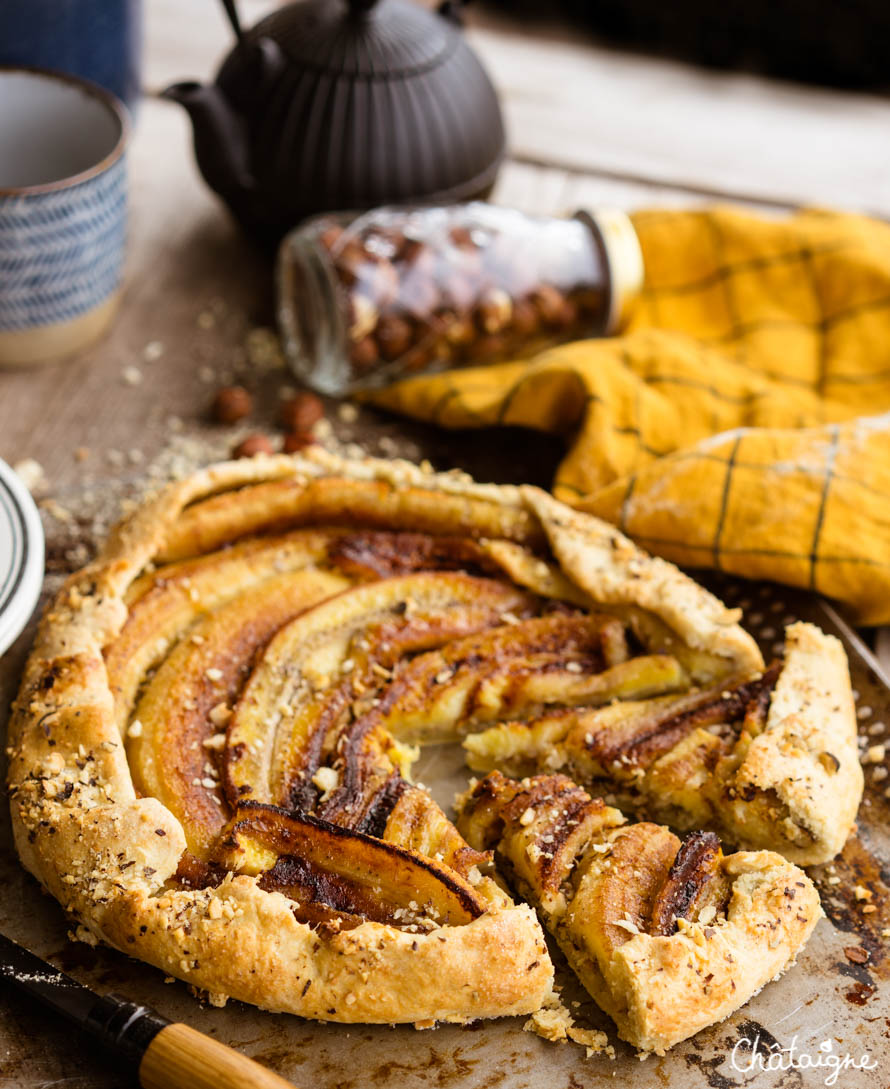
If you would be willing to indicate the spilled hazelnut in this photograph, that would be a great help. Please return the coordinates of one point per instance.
(231, 404)
(252, 445)
(301, 412)
(297, 440)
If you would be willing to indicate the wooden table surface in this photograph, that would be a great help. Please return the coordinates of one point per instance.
(586, 125)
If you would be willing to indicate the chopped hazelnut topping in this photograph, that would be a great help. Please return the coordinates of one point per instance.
(220, 714)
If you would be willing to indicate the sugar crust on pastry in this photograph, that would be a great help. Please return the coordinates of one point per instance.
(200, 884)
(769, 759)
(667, 937)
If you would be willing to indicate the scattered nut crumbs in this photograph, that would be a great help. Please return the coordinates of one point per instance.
(555, 1023)
(327, 780)
(627, 924)
(220, 715)
(31, 474)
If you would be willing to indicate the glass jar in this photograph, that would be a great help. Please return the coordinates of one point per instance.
(367, 299)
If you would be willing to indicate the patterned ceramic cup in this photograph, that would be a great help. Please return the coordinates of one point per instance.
(63, 213)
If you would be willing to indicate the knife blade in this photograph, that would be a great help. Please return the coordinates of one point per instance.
(167, 1055)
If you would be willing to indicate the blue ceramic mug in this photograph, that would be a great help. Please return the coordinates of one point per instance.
(99, 40)
(63, 213)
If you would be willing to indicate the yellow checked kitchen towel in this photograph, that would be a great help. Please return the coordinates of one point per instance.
(742, 421)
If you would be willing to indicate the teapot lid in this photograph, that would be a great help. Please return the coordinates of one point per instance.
(360, 39)
(368, 102)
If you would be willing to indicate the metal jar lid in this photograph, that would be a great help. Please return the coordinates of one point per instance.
(21, 556)
(625, 258)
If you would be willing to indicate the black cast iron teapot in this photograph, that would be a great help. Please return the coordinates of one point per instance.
(335, 104)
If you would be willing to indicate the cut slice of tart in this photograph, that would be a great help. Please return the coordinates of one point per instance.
(667, 936)
(769, 759)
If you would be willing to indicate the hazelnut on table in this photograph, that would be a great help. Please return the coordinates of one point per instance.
(297, 440)
(301, 412)
(232, 403)
(252, 445)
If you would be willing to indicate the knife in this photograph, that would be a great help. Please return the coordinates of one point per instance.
(165, 1054)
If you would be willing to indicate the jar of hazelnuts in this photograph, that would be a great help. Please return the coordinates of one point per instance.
(365, 299)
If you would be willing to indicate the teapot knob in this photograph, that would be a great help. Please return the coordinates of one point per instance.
(452, 10)
(232, 15)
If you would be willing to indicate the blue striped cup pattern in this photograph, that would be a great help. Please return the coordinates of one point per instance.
(62, 253)
(63, 213)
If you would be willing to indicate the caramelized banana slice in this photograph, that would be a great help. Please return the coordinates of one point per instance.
(197, 683)
(515, 669)
(371, 554)
(540, 825)
(318, 863)
(525, 568)
(636, 736)
(415, 821)
(301, 694)
(696, 886)
(748, 756)
(618, 742)
(666, 938)
(371, 504)
(166, 603)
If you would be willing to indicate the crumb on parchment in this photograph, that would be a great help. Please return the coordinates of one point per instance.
(555, 1023)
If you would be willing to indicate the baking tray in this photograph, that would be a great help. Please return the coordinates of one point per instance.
(829, 1006)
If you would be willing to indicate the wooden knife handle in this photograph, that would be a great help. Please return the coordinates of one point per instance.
(179, 1057)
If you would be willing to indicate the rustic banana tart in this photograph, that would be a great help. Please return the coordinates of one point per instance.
(211, 747)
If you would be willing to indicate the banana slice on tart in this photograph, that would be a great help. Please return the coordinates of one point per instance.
(668, 936)
(211, 750)
(769, 759)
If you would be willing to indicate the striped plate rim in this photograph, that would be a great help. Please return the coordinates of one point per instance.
(21, 556)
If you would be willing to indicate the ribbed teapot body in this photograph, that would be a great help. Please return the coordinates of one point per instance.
(360, 108)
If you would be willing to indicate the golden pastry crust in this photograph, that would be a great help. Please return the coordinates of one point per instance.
(768, 759)
(111, 858)
(667, 938)
(614, 571)
(117, 861)
(807, 757)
